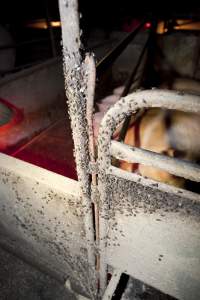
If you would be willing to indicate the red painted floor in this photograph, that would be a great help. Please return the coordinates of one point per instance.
(52, 149)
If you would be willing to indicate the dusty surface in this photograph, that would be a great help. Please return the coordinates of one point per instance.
(136, 290)
(19, 281)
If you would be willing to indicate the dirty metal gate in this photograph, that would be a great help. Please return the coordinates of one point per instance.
(146, 229)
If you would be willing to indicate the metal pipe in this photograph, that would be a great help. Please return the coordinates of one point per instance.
(76, 83)
(174, 166)
(149, 42)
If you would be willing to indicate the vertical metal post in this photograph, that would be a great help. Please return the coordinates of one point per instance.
(76, 84)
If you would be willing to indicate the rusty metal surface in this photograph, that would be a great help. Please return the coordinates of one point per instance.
(148, 229)
(42, 213)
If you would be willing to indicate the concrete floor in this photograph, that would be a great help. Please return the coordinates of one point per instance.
(19, 281)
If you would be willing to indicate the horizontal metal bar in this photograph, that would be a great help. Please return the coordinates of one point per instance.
(174, 166)
(112, 285)
(112, 55)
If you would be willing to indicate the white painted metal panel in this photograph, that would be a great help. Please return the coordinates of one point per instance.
(158, 245)
(42, 216)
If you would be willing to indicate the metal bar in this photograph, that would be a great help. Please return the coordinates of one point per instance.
(174, 166)
(135, 70)
(76, 83)
(148, 43)
(112, 285)
(127, 88)
(132, 103)
(110, 58)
